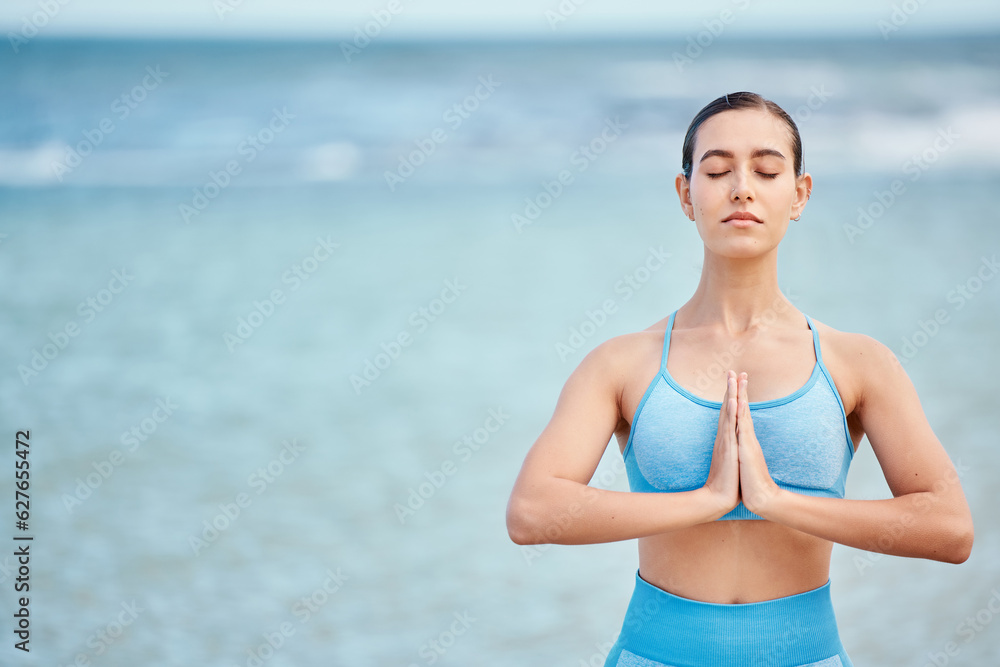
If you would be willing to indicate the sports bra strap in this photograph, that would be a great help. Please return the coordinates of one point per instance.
(819, 355)
(666, 342)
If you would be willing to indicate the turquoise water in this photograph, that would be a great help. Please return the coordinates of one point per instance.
(333, 346)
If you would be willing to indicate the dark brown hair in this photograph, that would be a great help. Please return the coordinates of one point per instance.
(737, 101)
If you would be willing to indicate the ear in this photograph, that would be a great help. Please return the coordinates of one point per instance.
(684, 194)
(803, 189)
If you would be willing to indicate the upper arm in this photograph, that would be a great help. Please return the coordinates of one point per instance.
(910, 454)
(585, 418)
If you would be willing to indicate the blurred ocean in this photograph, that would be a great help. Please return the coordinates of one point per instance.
(259, 304)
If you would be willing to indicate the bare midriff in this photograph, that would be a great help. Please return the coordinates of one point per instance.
(728, 562)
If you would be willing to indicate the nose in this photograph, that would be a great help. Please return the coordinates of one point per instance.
(741, 189)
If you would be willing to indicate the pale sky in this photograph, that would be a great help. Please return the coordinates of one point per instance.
(521, 18)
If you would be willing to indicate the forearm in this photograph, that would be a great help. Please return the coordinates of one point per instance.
(563, 511)
(915, 525)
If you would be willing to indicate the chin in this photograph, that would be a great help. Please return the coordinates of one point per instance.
(745, 248)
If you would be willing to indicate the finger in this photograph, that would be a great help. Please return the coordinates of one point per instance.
(746, 418)
(732, 390)
(744, 396)
(723, 417)
(734, 410)
(733, 430)
(724, 413)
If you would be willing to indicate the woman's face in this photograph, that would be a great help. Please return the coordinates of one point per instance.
(743, 163)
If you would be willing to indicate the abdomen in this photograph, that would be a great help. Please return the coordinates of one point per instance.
(735, 561)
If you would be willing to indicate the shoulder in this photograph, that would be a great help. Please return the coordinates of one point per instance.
(861, 362)
(622, 354)
(604, 376)
(855, 348)
(613, 366)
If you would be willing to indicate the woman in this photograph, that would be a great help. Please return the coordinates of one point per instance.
(737, 475)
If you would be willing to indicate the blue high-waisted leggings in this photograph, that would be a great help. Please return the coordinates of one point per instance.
(665, 630)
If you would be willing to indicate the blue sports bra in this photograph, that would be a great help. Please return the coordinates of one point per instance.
(804, 436)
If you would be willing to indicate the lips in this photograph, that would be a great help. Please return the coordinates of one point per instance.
(743, 215)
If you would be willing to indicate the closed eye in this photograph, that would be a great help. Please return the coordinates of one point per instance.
(723, 173)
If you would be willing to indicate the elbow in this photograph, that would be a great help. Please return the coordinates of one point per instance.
(519, 524)
(961, 543)
(957, 546)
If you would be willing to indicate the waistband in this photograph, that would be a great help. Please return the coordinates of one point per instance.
(794, 630)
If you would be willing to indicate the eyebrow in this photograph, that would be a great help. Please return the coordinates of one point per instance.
(759, 152)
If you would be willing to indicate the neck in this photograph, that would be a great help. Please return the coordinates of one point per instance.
(738, 293)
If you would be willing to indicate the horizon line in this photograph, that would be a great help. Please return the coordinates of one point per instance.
(500, 37)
